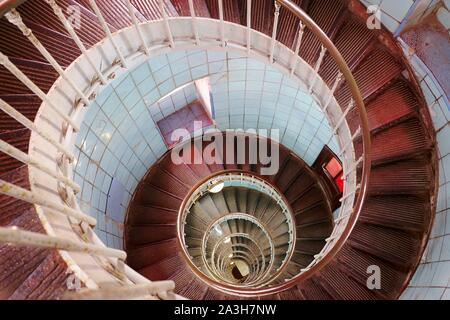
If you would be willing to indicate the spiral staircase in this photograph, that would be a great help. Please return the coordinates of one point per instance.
(293, 250)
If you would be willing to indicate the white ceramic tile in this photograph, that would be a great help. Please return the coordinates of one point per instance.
(434, 293)
(389, 22)
(445, 253)
(443, 16)
(396, 9)
(446, 295)
(123, 131)
(444, 141)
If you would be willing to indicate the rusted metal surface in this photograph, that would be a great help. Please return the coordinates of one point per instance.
(149, 234)
(431, 42)
(389, 104)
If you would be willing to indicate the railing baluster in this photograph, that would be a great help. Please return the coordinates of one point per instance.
(353, 168)
(14, 18)
(333, 90)
(249, 25)
(13, 113)
(222, 23)
(14, 191)
(349, 194)
(108, 32)
(162, 7)
(323, 50)
(343, 217)
(68, 26)
(132, 12)
(194, 21)
(344, 115)
(29, 160)
(17, 236)
(4, 60)
(349, 143)
(124, 292)
(298, 43)
(274, 30)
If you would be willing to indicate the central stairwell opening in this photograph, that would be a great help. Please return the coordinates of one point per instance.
(310, 69)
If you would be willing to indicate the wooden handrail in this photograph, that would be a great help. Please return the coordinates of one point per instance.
(7, 5)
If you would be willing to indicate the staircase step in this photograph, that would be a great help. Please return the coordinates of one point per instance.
(378, 69)
(380, 112)
(342, 287)
(19, 139)
(399, 141)
(397, 247)
(313, 290)
(142, 256)
(47, 282)
(359, 262)
(322, 231)
(401, 177)
(143, 234)
(155, 196)
(351, 40)
(325, 14)
(151, 215)
(164, 268)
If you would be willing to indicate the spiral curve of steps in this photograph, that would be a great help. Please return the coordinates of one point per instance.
(394, 225)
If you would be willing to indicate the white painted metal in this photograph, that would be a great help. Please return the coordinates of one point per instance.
(4, 60)
(350, 142)
(344, 115)
(29, 160)
(14, 18)
(194, 21)
(14, 191)
(108, 32)
(249, 25)
(222, 25)
(333, 90)
(17, 236)
(349, 194)
(136, 291)
(162, 7)
(317, 67)
(68, 26)
(135, 21)
(13, 113)
(298, 43)
(274, 30)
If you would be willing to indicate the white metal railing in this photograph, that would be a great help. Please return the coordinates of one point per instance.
(237, 217)
(14, 17)
(4, 61)
(23, 237)
(105, 28)
(254, 181)
(70, 126)
(230, 178)
(160, 289)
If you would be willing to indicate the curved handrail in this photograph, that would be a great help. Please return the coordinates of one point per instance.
(364, 184)
(366, 139)
(7, 5)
